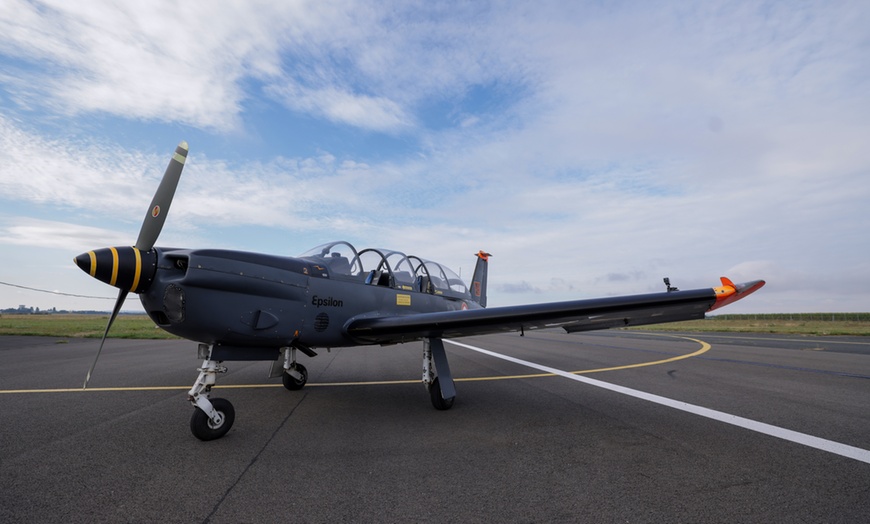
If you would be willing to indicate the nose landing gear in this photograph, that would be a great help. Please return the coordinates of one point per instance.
(212, 418)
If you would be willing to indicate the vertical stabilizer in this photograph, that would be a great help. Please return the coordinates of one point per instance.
(478, 280)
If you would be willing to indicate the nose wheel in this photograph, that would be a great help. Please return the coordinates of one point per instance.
(205, 428)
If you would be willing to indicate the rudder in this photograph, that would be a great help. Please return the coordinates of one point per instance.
(478, 280)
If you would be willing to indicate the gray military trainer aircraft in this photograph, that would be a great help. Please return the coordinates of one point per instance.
(248, 306)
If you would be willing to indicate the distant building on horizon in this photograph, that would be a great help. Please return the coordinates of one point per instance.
(23, 309)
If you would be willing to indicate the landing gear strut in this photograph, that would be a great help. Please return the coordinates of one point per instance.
(436, 374)
(295, 375)
(211, 418)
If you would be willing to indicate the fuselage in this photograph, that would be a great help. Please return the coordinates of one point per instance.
(238, 300)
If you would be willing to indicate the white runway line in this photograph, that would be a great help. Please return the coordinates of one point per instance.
(830, 446)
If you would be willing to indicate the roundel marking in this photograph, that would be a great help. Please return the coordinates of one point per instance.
(155, 212)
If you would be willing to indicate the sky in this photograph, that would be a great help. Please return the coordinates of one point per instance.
(592, 147)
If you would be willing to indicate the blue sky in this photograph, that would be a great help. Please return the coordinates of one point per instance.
(593, 149)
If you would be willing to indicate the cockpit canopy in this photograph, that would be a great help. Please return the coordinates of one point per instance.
(385, 267)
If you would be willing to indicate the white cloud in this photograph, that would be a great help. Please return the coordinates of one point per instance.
(359, 64)
(366, 112)
(104, 183)
(58, 235)
(160, 61)
(76, 175)
(633, 142)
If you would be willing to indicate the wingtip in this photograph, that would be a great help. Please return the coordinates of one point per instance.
(730, 292)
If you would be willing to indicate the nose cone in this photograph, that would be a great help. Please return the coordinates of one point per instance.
(123, 267)
(87, 262)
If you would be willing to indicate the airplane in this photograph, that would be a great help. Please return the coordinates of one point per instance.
(249, 306)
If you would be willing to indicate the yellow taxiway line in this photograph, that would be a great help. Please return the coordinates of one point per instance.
(704, 348)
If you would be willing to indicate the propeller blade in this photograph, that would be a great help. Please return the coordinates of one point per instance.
(118, 303)
(156, 215)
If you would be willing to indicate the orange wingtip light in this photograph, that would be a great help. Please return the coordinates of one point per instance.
(730, 292)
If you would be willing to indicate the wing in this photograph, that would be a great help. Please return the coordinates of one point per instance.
(576, 315)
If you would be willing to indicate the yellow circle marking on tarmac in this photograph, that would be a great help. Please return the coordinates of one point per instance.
(704, 348)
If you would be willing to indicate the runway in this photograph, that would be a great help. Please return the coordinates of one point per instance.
(524, 441)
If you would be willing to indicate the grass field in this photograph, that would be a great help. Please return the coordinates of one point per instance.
(81, 326)
(140, 326)
(803, 324)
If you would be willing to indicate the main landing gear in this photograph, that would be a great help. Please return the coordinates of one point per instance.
(295, 375)
(436, 374)
(212, 418)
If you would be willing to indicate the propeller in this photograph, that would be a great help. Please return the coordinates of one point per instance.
(157, 211)
(122, 295)
(126, 263)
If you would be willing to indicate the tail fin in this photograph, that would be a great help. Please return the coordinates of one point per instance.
(478, 280)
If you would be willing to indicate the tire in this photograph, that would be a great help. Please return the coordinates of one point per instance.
(438, 401)
(202, 427)
(291, 383)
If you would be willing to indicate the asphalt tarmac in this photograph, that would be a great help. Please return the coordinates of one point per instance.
(362, 443)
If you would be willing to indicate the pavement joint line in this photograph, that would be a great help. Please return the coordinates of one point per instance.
(830, 446)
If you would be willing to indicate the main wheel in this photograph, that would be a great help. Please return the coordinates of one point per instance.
(291, 383)
(438, 401)
(203, 428)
